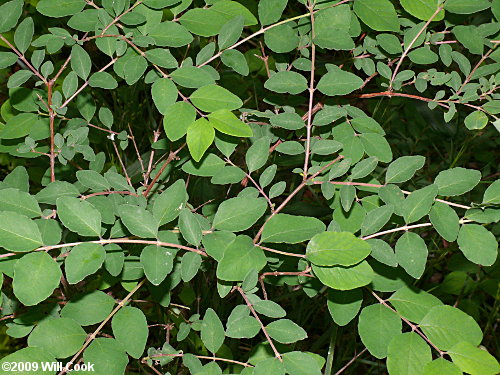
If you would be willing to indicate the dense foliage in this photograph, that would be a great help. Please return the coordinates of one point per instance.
(250, 187)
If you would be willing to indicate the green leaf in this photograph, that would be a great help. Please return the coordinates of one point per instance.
(407, 354)
(257, 154)
(286, 82)
(190, 227)
(446, 326)
(281, 39)
(403, 168)
(269, 308)
(466, 6)
(336, 248)
(470, 38)
(382, 252)
(35, 269)
(55, 190)
(419, 203)
(422, 9)
(339, 82)
(476, 120)
(177, 119)
(200, 135)
(164, 93)
(170, 34)
(445, 220)
(239, 258)
(107, 355)
(10, 11)
(138, 221)
(345, 278)
(60, 8)
(7, 59)
(269, 366)
(331, 28)
(18, 126)
(270, 11)
(301, 363)
(364, 168)
(134, 69)
(442, 367)
(93, 180)
(60, 337)
(24, 34)
(202, 21)
(344, 305)
(19, 78)
(80, 62)
(192, 77)
(379, 15)
(242, 326)
(473, 360)
(18, 233)
(376, 219)
(157, 262)
(377, 326)
(227, 123)
(478, 244)
(285, 331)
(79, 216)
(413, 304)
(14, 200)
(212, 331)
(376, 145)
(284, 228)
(411, 254)
(492, 193)
(190, 265)
(236, 61)
(103, 80)
(88, 308)
(167, 206)
(83, 260)
(231, 9)
(230, 32)
(130, 329)
(457, 181)
(211, 98)
(238, 214)
(30, 354)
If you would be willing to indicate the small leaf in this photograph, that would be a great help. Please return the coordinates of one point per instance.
(157, 262)
(227, 123)
(60, 8)
(83, 260)
(445, 220)
(478, 244)
(419, 203)
(413, 304)
(200, 135)
(457, 181)
(80, 62)
(38, 269)
(422, 9)
(446, 326)
(88, 308)
(473, 360)
(212, 331)
(170, 34)
(177, 119)
(230, 32)
(301, 363)
(376, 219)
(286, 82)
(270, 11)
(257, 154)
(238, 214)
(285, 331)
(284, 228)
(79, 216)
(377, 326)
(190, 265)
(344, 305)
(403, 168)
(167, 206)
(164, 93)
(379, 15)
(24, 34)
(138, 221)
(336, 248)
(411, 254)
(18, 232)
(345, 278)
(407, 354)
(130, 329)
(11, 11)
